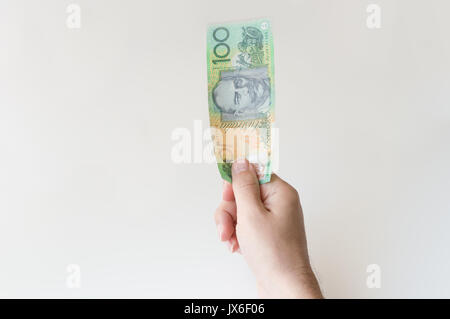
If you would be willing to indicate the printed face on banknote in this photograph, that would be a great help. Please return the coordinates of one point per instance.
(243, 94)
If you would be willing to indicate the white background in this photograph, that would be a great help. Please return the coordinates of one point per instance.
(87, 178)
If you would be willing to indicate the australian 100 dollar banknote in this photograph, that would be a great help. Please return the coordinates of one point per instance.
(241, 94)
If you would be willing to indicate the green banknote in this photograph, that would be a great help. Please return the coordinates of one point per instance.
(241, 94)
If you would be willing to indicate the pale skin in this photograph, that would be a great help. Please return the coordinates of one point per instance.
(265, 224)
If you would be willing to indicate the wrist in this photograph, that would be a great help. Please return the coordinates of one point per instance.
(298, 284)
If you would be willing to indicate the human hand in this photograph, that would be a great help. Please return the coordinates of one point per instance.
(265, 224)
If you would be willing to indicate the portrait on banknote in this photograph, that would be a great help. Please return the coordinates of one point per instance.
(243, 94)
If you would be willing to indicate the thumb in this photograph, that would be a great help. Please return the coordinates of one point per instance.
(245, 185)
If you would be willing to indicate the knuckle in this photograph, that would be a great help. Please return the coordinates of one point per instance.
(246, 185)
(217, 214)
(245, 182)
(290, 192)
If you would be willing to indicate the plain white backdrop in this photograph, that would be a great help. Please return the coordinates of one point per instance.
(87, 178)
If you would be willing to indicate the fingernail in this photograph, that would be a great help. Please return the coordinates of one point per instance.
(220, 230)
(241, 165)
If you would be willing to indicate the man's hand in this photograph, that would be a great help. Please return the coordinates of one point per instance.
(265, 223)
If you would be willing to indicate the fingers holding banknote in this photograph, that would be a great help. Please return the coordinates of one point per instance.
(265, 222)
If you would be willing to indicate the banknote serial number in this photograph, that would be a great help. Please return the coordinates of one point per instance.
(221, 49)
(230, 310)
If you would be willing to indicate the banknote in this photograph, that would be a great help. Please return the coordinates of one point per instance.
(241, 94)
